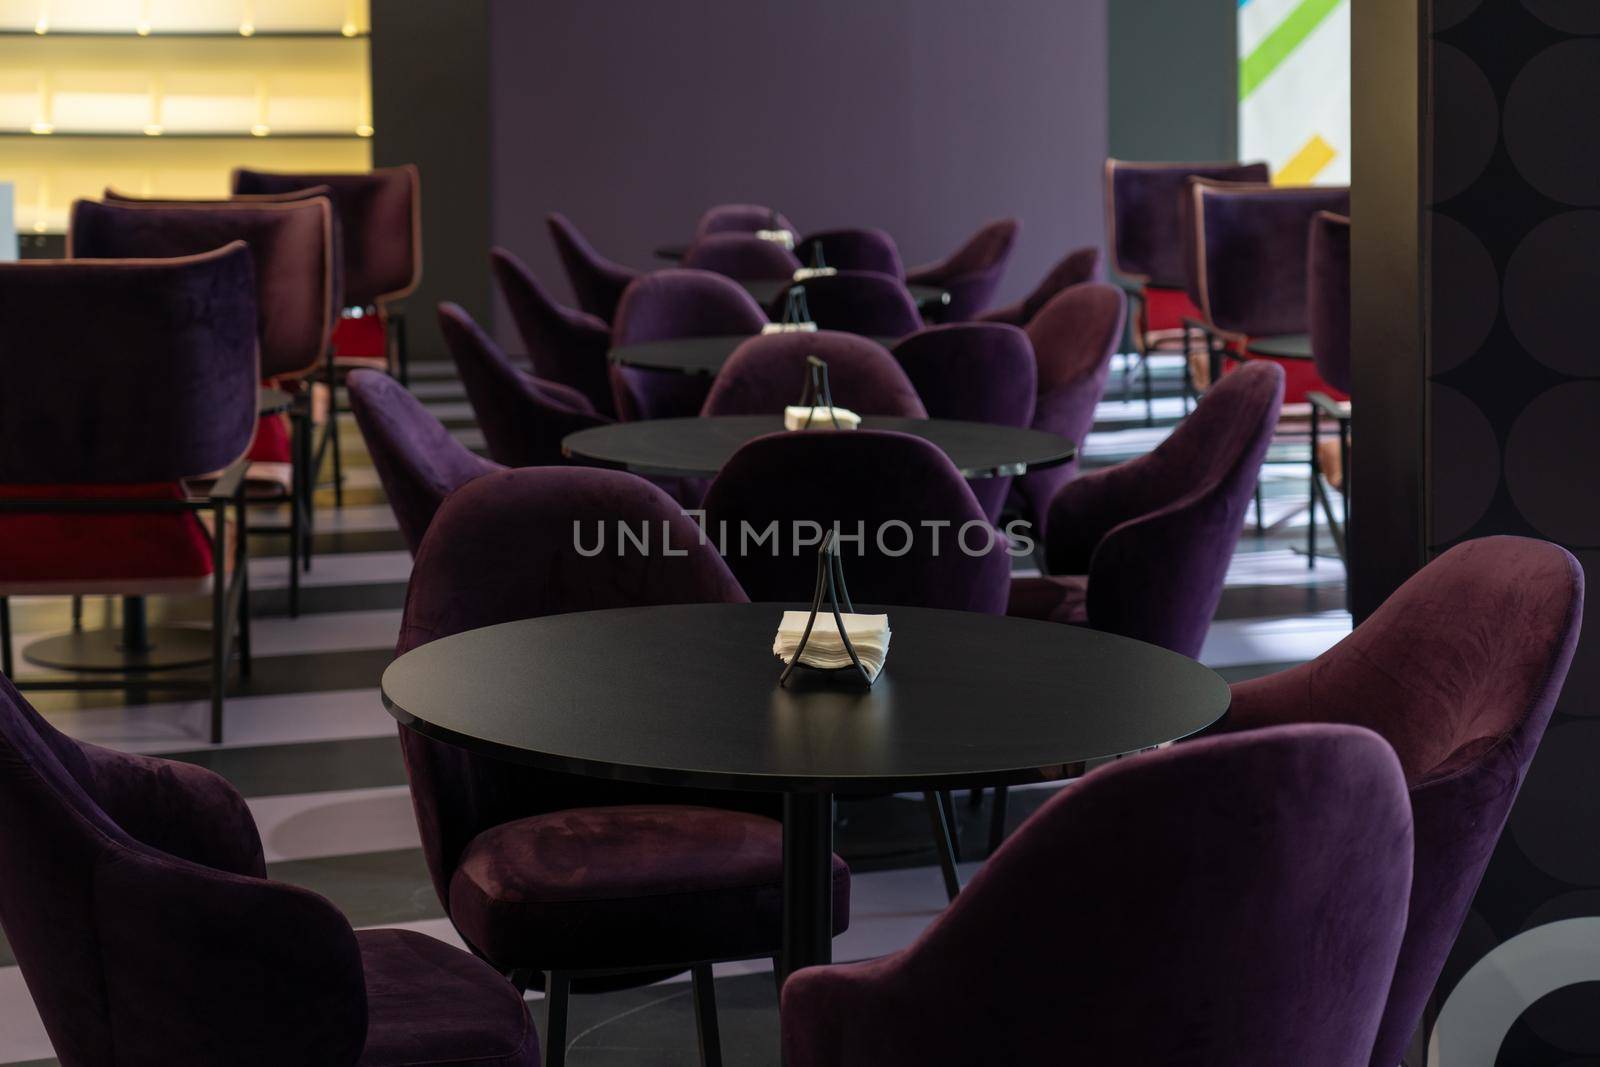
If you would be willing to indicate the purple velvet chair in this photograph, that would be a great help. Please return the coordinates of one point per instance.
(564, 345)
(864, 249)
(124, 381)
(767, 373)
(1250, 245)
(1073, 339)
(418, 462)
(972, 272)
(669, 304)
(741, 218)
(1459, 671)
(1141, 549)
(741, 255)
(523, 418)
(980, 372)
(135, 898)
(1233, 901)
(1078, 267)
(597, 282)
(857, 301)
(602, 882)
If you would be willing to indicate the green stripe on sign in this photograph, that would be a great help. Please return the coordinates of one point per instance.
(1270, 53)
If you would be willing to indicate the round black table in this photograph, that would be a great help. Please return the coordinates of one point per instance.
(690, 355)
(929, 298)
(1284, 346)
(698, 446)
(687, 696)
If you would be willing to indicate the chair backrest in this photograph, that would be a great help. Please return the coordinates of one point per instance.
(1328, 298)
(1073, 338)
(291, 243)
(127, 371)
(1236, 900)
(741, 218)
(973, 271)
(523, 418)
(380, 222)
(418, 461)
(859, 249)
(133, 896)
(741, 255)
(310, 192)
(857, 301)
(1143, 221)
(564, 344)
(1077, 267)
(506, 547)
(1250, 249)
(667, 304)
(767, 373)
(1459, 670)
(885, 493)
(597, 282)
(1158, 577)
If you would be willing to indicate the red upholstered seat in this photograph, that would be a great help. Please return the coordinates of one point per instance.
(76, 547)
(1299, 376)
(360, 338)
(1165, 309)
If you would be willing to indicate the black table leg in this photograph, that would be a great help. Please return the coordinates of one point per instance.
(807, 881)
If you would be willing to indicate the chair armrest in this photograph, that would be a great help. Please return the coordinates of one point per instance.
(229, 486)
(1092, 505)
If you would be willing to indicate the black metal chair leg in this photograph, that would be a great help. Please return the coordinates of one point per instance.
(557, 991)
(1149, 392)
(1261, 512)
(941, 843)
(997, 818)
(338, 461)
(220, 629)
(5, 636)
(705, 1015)
(77, 614)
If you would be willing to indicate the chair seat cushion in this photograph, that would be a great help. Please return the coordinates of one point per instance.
(430, 1003)
(591, 888)
(1051, 598)
(360, 337)
(48, 547)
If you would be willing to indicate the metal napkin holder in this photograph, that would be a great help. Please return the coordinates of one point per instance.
(817, 393)
(830, 582)
(795, 310)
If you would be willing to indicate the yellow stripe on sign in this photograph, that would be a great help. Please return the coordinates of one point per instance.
(1307, 163)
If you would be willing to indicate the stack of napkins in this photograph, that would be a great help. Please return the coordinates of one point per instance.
(814, 272)
(869, 634)
(819, 418)
(789, 327)
(782, 237)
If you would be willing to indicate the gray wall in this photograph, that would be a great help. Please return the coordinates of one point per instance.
(1174, 79)
(924, 117)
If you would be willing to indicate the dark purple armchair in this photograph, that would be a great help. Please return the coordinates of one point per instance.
(523, 418)
(1074, 338)
(597, 282)
(972, 272)
(1078, 267)
(857, 301)
(564, 345)
(741, 218)
(1142, 549)
(135, 898)
(669, 304)
(606, 883)
(1459, 671)
(864, 249)
(767, 373)
(417, 460)
(979, 372)
(741, 255)
(1235, 901)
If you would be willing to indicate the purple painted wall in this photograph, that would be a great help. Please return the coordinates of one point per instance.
(924, 117)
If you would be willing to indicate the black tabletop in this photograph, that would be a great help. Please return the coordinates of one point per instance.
(1285, 346)
(690, 355)
(929, 298)
(698, 446)
(688, 695)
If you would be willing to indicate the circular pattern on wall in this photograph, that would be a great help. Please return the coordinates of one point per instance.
(1550, 287)
(1466, 122)
(1447, 13)
(1465, 465)
(1554, 817)
(1547, 130)
(1464, 280)
(1550, 466)
(1569, 16)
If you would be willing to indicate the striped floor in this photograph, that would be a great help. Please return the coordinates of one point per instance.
(310, 746)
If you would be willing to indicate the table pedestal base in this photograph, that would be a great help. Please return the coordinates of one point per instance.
(807, 881)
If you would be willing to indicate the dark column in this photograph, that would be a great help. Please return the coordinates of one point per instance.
(1174, 79)
(430, 106)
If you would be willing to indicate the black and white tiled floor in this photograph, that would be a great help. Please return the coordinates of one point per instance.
(310, 746)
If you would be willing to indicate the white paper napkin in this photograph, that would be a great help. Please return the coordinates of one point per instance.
(869, 634)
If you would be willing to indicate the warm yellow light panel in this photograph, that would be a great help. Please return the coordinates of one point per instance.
(185, 16)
